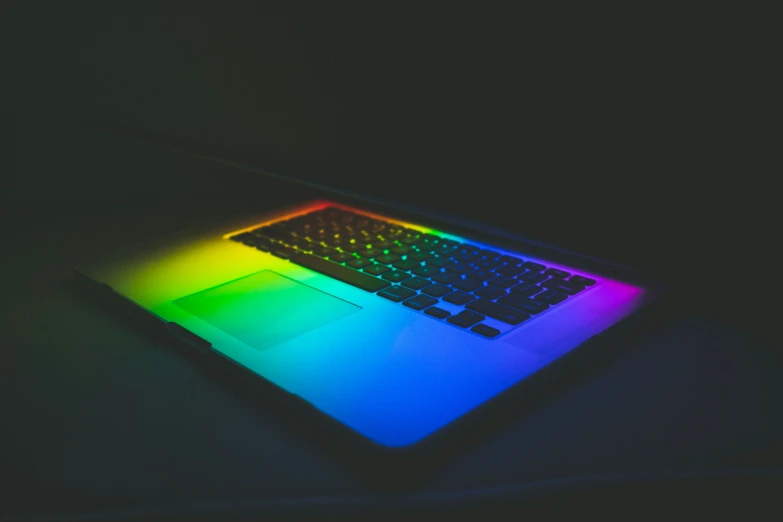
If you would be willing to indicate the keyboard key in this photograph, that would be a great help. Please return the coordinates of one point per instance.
(551, 297)
(260, 242)
(438, 313)
(396, 293)
(535, 267)
(257, 234)
(339, 272)
(468, 285)
(270, 237)
(406, 264)
(469, 257)
(263, 245)
(436, 290)
(503, 282)
(341, 257)
(497, 311)
(486, 331)
(586, 281)
(426, 271)
(419, 255)
(466, 318)
(411, 240)
(523, 303)
(510, 260)
(376, 269)
(358, 262)
(387, 259)
(446, 250)
(329, 239)
(446, 278)
(527, 289)
(420, 302)
(369, 253)
(394, 231)
(428, 243)
(396, 276)
(458, 298)
(510, 270)
(323, 251)
(383, 245)
(554, 272)
(400, 250)
(490, 292)
(352, 247)
(459, 268)
(416, 283)
(560, 285)
(489, 255)
(282, 251)
(301, 244)
(532, 277)
(344, 239)
(481, 275)
(439, 262)
(488, 264)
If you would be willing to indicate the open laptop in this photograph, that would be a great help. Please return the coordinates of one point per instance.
(391, 321)
(408, 285)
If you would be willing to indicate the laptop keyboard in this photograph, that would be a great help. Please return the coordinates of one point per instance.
(461, 284)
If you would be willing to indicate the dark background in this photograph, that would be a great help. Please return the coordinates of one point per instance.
(637, 136)
(640, 136)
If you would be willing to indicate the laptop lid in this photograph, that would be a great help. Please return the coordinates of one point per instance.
(603, 145)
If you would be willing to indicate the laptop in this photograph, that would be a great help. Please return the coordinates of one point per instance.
(392, 321)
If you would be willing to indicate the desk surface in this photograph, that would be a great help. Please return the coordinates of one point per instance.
(99, 417)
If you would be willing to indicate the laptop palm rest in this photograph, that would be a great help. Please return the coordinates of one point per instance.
(265, 309)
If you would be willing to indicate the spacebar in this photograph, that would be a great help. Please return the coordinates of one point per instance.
(339, 272)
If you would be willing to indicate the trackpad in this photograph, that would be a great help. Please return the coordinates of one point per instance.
(265, 309)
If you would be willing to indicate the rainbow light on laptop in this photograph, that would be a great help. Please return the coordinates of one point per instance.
(368, 391)
(312, 207)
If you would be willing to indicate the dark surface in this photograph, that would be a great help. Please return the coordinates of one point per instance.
(639, 138)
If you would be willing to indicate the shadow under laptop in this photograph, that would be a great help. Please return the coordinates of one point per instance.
(384, 470)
